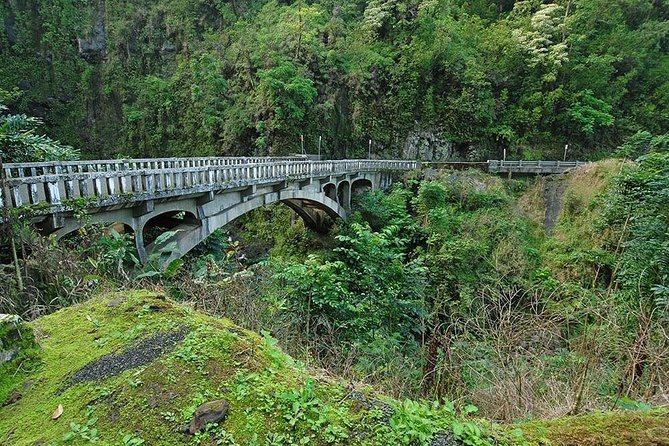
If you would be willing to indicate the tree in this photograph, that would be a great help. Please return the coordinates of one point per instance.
(285, 96)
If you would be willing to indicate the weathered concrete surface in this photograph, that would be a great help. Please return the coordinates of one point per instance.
(532, 167)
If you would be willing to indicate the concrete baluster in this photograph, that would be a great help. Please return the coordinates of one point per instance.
(33, 193)
(167, 177)
(158, 178)
(16, 195)
(69, 183)
(113, 179)
(148, 182)
(52, 193)
(135, 181)
(97, 185)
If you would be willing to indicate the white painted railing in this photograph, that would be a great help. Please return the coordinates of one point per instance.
(96, 183)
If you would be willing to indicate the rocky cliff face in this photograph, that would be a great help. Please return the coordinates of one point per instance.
(427, 145)
(93, 45)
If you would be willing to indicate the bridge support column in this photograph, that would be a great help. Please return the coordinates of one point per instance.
(53, 222)
(141, 250)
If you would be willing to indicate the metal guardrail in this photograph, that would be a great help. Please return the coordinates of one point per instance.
(101, 183)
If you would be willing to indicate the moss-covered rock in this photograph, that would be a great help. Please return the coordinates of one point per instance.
(135, 366)
(640, 428)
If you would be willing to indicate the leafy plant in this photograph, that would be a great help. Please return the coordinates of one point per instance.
(86, 431)
(158, 264)
(131, 440)
(19, 141)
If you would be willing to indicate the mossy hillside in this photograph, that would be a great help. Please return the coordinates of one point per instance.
(273, 400)
(580, 237)
(70, 339)
(640, 428)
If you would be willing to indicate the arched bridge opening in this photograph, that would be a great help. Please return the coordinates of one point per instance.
(86, 236)
(330, 190)
(318, 212)
(344, 194)
(359, 187)
(167, 221)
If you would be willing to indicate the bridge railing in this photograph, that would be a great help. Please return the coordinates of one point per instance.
(532, 166)
(21, 170)
(104, 187)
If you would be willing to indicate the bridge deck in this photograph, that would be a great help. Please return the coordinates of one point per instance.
(55, 186)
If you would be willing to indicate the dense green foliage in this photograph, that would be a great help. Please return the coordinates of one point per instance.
(19, 141)
(367, 286)
(120, 78)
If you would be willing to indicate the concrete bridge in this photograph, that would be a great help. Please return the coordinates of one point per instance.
(196, 196)
(532, 167)
(192, 196)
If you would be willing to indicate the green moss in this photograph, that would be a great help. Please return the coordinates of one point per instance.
(273, 400)
(603, 429)
(16, 337)
(29, 210)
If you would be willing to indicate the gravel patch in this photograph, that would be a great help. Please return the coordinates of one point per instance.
(144, 352)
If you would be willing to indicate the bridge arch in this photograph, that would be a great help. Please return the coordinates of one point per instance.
(330, 190)
(317, 210)
(71, 225)
(107, 228)
(191, 227)
(172, 220)
(360, 186)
